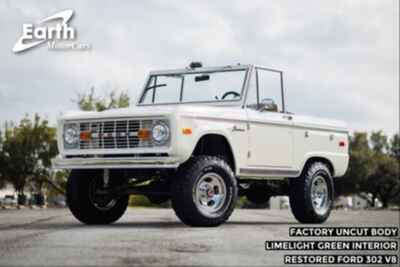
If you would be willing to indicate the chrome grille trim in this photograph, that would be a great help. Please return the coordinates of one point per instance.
(113, 134)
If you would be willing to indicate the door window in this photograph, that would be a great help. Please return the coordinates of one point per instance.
(265, 87)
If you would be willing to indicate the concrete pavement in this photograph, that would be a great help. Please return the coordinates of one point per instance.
(52, 237)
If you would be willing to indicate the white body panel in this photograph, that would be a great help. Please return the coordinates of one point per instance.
(270, 140)
(264, 144)
(264, 141)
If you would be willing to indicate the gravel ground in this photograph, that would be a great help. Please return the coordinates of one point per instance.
(52, 237)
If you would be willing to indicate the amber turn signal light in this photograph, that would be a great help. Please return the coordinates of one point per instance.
(186, 131)
(85, 136)
(143, 134)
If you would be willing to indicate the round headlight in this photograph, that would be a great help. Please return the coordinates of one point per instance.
(71, 135)
(160, 133)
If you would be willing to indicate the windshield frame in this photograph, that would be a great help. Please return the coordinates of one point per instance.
(238, 101)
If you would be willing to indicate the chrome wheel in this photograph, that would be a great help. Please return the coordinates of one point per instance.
(320, 195)
(210, 194)
(99, 200)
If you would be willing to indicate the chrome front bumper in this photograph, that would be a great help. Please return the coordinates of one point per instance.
(116, 163)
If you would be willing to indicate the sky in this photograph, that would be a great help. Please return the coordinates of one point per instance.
(340, 58)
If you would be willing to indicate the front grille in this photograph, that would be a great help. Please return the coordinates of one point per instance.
(113, 134)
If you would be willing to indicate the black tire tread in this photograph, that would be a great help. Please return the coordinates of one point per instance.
(80, 205)
(299, 194)
(186, 211)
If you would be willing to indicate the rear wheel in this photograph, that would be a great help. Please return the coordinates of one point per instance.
(88, 204)
(204, 192)
(311, 195)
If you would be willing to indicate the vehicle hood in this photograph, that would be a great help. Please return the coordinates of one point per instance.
(135, 111)
(148, 111)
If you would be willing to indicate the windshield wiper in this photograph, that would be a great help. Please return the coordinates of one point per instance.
(156, 86)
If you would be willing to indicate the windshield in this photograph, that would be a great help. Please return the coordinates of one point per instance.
(214, 86)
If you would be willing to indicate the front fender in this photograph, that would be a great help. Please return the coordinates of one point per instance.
(237, 140)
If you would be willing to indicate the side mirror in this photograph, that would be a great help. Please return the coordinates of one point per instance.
(268, 104)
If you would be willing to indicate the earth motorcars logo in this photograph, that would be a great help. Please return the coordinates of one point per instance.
(59, 35)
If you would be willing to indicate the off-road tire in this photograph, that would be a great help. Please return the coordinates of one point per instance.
(81, 206)
(300, 193)
(185, 182)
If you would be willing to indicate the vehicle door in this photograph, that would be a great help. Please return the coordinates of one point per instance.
(270, 127)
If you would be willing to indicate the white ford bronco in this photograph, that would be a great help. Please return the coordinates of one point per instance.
(201, 137)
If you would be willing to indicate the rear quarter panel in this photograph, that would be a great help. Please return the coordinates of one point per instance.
(323, 139)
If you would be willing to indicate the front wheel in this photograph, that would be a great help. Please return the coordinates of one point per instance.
(87, 205)
(311, 195)
(204, 192)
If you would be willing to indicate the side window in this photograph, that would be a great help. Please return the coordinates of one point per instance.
(269, 87)
(252, 92)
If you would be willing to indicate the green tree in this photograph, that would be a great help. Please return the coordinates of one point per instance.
(373, 170)
(361, 166)
(17, 159)
(27, 152)
(395, 153)
(90, 102)
(379, 142)
(395, 146)
(2, 178)
(384, 182)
